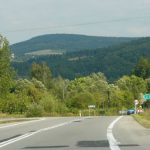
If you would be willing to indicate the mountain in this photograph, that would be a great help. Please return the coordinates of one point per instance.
(64, 43)
(114, 61)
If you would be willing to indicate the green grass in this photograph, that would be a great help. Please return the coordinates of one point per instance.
(12, 118)
(13, 121)
(143, 119)
(5, 115)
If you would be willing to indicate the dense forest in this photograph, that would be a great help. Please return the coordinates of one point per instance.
(114, 61)
(42, 94)
(65, 42)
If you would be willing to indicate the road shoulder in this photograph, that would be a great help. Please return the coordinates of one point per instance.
(131, 134)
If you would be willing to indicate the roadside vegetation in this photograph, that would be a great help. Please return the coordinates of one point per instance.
(41, 94)
(143, 119)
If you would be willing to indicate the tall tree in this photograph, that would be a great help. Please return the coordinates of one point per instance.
(6, 71)
(42, 73)
(142, 69)
(132, 84)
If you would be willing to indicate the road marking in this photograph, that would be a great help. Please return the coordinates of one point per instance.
(10, 141)
(113, 144)
(25, 122)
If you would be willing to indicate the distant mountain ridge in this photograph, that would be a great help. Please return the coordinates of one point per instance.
(114, 61)
(66, 42)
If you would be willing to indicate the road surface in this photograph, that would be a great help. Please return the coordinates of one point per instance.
(72, 133)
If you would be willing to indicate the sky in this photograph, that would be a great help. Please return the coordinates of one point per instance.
(23, 19)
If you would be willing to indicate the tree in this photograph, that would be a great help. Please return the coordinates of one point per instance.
(42, 73)
(142, 69)
(87, 90)
(132, 86)
(82, 100)
(6, 72)
(148, 84)
(60, 86)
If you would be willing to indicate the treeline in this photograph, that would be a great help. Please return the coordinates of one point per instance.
(65, 42)
(44, 95)
(114, 61)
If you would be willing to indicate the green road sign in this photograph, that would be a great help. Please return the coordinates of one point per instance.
(146, 96)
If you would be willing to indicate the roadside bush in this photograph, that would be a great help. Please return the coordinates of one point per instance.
(10, 104)
(146, 114)
(48, 103)
(34, 110)
(61, 108)
(81, 100)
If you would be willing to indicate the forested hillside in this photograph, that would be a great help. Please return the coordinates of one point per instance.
(42, 94)
(114, 61)
(65, 42)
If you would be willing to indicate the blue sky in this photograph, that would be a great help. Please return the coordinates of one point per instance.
(22, 19)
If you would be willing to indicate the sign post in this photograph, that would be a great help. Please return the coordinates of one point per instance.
(90, 106)
(136, 102)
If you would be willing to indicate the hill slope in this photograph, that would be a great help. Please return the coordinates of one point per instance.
(113, 61)
(65, 42)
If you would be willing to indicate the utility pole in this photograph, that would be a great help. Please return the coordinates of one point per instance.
(108, 94)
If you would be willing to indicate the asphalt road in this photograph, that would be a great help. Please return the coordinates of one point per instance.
(131, 135)
(72, 133)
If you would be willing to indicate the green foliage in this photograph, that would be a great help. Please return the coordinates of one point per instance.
(143, 118)
(61, 108)
(6, 71)
(67, 42)
(142, 69)
(114, 61)
(48, 102)
(42, 73)
(89, 90)
(33, 89)
(131, 86)
(34, 110)
(13, 104)
(82, 100)
(59, 87)
(44, 95)
(148, 85)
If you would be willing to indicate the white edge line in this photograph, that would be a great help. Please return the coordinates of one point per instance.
(30, 134)
(24, 122)
(113, 144)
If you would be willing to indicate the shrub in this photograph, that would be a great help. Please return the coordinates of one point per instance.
(34, 110)
(48, 103)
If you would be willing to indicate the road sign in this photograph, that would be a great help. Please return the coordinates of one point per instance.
(136, 102)
(146, 96)
(91, 106)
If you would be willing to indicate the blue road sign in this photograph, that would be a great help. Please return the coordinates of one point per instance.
(146, 96)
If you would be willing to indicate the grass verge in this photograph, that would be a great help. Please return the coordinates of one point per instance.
(13, 118)
(13, 121)
(143, 119)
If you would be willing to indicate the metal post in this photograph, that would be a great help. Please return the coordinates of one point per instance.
(108, 92)
(89, 112)
(135, 109)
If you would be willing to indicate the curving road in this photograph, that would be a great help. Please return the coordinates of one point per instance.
(72, 133)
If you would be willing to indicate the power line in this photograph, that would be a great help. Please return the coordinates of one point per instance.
(79, 24)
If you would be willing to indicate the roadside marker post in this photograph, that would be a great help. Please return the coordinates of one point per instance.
(136, 102)
(80, 114)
